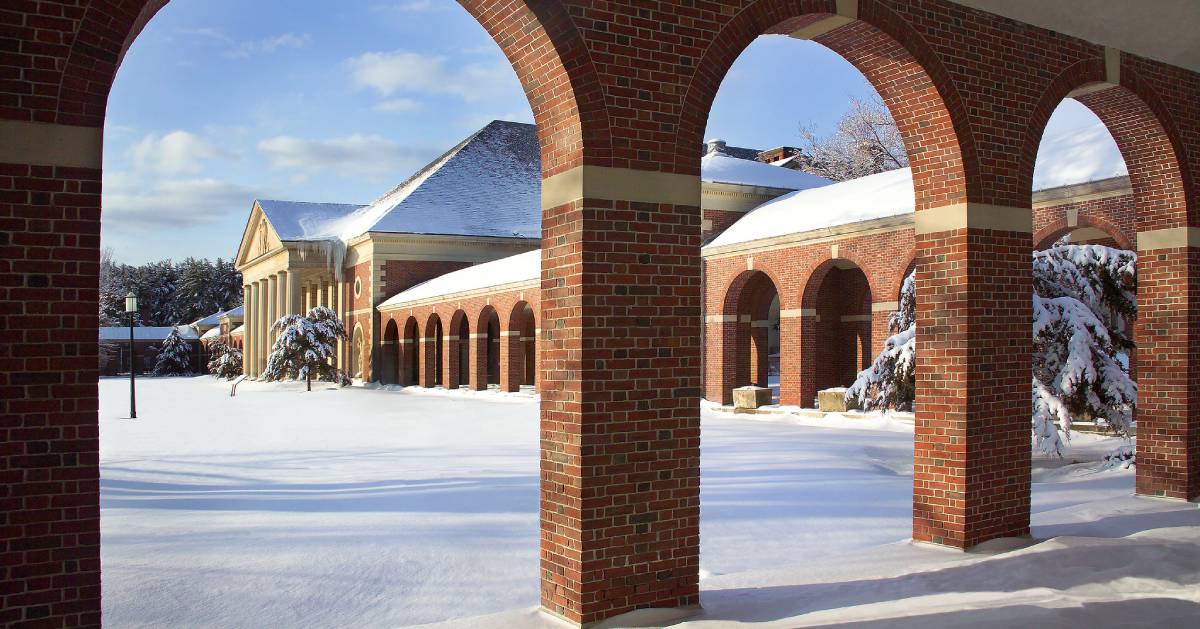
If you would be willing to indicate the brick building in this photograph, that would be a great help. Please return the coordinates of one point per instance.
(620, 92)
(480, 201)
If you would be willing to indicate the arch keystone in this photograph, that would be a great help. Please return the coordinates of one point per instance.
(847, 12)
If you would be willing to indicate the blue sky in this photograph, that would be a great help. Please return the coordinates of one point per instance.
(220, 102)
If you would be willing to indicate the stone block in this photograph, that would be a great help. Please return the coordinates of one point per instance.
(834, 401)
(751, 397)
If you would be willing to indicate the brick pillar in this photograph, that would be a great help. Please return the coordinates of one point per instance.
(971, 480)
(880, 313)
(1168, 338)
(790, 335)
(450, 361)
(809, 378)
(760, 358)
(720, 350)
(620, 420)
(429, 359)
(479, 367)
(512, 360)
(49, 448)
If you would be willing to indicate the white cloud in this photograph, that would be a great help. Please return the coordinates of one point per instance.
(370, 157)
(394, 72)
(269, 45)
(397, 105)
(176, 153)
(130, 203)
(1076, 147)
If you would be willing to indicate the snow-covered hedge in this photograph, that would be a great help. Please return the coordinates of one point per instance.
(225, 361)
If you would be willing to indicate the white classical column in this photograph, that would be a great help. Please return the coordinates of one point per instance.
(247, 345)
(272, 307)
(335, 298)
(263, 315)
(305, 298)
(281, 294)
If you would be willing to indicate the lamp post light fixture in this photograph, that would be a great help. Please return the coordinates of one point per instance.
(131, 308)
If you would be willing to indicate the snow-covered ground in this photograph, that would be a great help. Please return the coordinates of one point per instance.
(369, 507)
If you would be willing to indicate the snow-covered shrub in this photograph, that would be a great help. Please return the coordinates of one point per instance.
(891, 381)
(305, 347)
(174, 359)
(1084, 302)
(225, 361)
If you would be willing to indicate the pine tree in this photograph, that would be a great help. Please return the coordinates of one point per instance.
(891, 381)
(1083, 306)
(174, 357)
(305, 347)
(225, 361)
(1084, 303)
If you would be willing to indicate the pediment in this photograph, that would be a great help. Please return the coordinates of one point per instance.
(258, 238)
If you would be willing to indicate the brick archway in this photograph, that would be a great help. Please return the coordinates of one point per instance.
(513, 351)
(743, 336)
(458, 342)
(411, 353)
(486, 353)
(392, 354)
(835, 327)
(1048, 235)
(433, 352)
(1164, 192)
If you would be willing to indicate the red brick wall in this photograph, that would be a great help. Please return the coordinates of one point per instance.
(1114, 215)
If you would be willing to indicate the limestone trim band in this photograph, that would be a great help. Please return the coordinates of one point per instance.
(856, 318)
(721, 319)
(885, 306)
(847, 12)
(1112, 75)
(974, 216)
(1170, 238)
(44, 144)
(797, 312)
(620, 184)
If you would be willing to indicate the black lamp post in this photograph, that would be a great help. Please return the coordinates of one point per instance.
(131, 307)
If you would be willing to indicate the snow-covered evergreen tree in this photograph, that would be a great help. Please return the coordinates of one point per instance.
(891, 381)
(305, 347)
(1083, 304)
(225, 361)
(174, 357)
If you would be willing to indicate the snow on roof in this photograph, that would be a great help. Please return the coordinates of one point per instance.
(238, 331)
(212, 333)
(865, 198)
(144, 333)
(240, 311)
(210, 320)
(717, 167)
(487, 185)
(522, 267)
(297, 220)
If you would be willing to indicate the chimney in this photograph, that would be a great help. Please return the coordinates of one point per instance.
(715, 146)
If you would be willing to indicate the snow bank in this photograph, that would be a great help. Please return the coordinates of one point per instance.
(865, 198)
(523, 267)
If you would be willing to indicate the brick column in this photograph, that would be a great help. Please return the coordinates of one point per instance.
(49, 448)
(428, 359)
(479, 367)
(512, 360)
(1168, 338)
(791, 333)
(807, 374)
(450, 361)
(759, 353)
(971, 479)
(720, 357)
(620, 421)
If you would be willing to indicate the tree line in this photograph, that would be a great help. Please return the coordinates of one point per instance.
(169, 292)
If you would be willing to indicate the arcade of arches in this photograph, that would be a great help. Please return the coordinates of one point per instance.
(620, 93)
